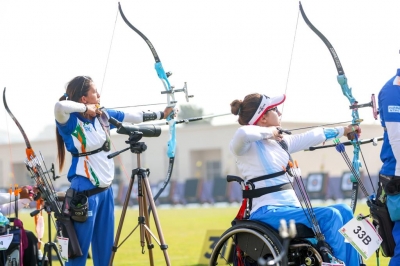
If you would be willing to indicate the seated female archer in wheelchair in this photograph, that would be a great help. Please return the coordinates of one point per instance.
(26, 243)
(262, 156)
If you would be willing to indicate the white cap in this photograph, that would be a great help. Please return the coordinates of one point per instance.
(266, 104)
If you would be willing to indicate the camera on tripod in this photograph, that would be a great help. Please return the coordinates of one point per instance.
(145, 196)
(135, 132)
(128, 129)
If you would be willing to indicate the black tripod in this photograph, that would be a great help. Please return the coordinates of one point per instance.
(144, 195)
(49, 245)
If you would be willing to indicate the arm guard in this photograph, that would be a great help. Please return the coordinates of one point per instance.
(152, 116)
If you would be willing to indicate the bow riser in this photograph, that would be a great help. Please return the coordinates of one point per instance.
(342, 80)
(172, 138)
(164, 78)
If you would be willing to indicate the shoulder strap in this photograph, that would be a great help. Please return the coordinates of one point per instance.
(255, 193)
(265, 177)
(284, 146)
(87, 153)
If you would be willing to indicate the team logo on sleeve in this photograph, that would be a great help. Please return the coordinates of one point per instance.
(394, 109)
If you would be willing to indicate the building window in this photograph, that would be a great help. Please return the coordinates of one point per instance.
(213, 169)
(206, 164)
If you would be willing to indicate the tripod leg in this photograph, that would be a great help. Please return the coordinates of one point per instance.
(144, 220)
(47, 252)
(121, 221)
(147, 234)
(150, 250)
(163, 245)
(49, 245)
(54, 246)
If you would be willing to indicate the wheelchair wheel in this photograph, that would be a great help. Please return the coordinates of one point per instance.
(252, 239)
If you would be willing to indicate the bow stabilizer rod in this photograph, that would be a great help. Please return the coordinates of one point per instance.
(347, 143)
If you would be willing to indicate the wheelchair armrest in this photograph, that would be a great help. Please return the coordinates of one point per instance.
(231, 178)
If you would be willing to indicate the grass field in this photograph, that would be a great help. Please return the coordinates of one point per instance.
(184, 230)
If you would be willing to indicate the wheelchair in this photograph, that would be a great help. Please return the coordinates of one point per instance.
(13, 255)
(252, 243)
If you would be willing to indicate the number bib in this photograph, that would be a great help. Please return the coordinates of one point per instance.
(361, 234)
(63, 247)
(5, 241)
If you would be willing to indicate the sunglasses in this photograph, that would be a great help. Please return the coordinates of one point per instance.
(273, 109)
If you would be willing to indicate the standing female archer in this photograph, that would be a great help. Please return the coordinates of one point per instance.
(83, 129)
(261, 151)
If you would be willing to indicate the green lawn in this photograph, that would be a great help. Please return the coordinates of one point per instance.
(184, 230)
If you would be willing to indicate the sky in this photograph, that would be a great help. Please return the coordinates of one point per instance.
(223, 49)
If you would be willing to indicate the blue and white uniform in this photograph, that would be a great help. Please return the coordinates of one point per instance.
(389, 112)
(258, 154)
(83, 135)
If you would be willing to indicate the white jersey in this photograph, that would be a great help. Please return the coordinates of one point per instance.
(258, 155)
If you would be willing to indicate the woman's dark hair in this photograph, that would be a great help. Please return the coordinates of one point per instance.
(246, 109)
(76, 88)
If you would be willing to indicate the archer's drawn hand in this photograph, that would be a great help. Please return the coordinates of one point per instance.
(27, 192)
(168, 111)
(352, 132)
(93, 110)
(276, 134)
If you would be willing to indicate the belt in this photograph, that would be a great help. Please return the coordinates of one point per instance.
(94, 191)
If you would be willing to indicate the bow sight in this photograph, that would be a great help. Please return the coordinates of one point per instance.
(372, 104)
